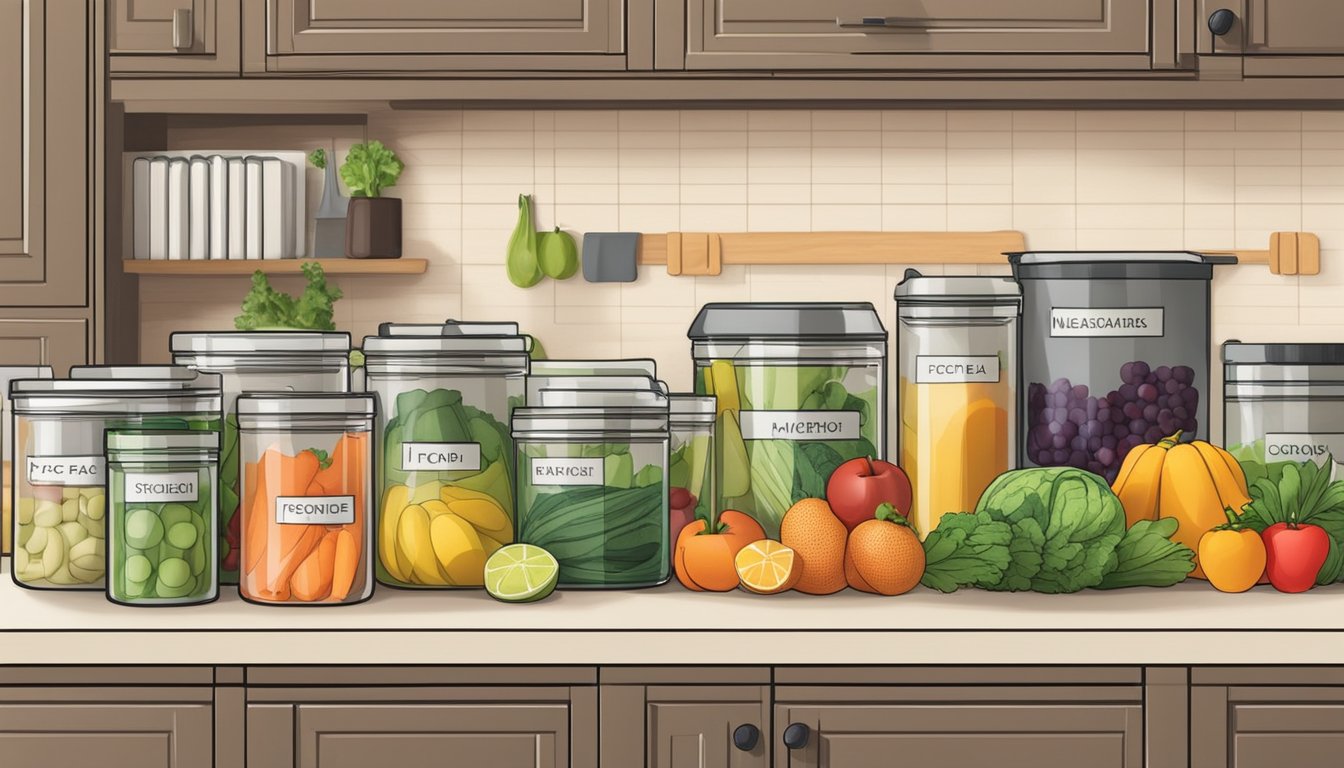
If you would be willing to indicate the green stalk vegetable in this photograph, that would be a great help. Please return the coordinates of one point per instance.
(521, 260)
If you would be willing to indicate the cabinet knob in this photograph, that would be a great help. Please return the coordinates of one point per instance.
(1221, 21)
(745, 737)
(796, 736)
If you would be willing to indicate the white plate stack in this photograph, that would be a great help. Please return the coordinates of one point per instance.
(217, 205)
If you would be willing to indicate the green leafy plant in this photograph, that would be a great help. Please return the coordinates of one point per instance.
(264, 307)
(318, 157)
(1303, 493)
(369, 168)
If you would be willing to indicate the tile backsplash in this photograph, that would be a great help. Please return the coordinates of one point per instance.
(1087, 180)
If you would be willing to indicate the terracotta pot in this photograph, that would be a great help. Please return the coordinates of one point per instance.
(373, 228)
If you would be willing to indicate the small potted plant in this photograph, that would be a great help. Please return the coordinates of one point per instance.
(373, 222)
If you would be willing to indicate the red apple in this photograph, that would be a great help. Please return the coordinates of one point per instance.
(858, 486)
(1294, 554)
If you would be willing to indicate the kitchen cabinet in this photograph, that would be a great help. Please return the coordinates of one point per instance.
(884, 35)
(27, 338)
(1264, 718)
(1283, 38)
(413, 35)
(174, 36)
(46, 254)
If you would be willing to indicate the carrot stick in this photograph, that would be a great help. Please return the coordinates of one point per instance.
(346, 564)
(312, 579)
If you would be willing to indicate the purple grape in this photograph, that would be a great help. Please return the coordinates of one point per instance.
(1110, 441)
(1137, 426)
(1148, 392)
(1060, 400)
(1180, 413)
(1106, 456)
(1150, 412)
(1068, 429)
(1163, 372)
(1078, 443)
(1103, 415)
(1059, 442)
(1094, 444)
(1141, 369)
(1126, 372)
(1184, 374)
(1043, 458)
(1078, 416)
(1060, 385)
(1060, 456)
(1079, 392)
(1092, 408)
(1153, 434)
(1121, 431)
(1174, 400)
(1096, 468)
(1128, 392)
(1172, 386)
(1132, 411)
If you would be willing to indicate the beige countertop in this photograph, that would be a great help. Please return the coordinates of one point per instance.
(1187, 624)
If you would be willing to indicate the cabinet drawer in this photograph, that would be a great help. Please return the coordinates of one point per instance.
(390, 35)
(907, 35)
(164, 36)
(104, 733)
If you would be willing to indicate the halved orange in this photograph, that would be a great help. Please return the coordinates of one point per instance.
(767, 567)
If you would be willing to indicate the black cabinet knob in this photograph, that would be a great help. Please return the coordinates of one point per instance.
(1221, 21)
(745, 737)
(796, 735)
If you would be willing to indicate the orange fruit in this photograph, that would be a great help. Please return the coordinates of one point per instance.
(884, 556)
(704, 559)
(767, 567)
(817, 537)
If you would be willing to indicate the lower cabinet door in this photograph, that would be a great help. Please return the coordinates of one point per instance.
(1267, 718)
(106, 735)
(959, 736)
(707, 735)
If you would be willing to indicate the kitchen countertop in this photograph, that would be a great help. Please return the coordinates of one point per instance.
(1187, 624)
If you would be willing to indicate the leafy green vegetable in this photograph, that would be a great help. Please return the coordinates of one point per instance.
(1147, 557)
(318, 157)
(1303, 493)
(369, 168)
(601, 535)
(264, 307)
(440, 416)
(967, 549)
(323, 458)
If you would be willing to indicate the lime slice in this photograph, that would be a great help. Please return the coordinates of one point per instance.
(521, 573)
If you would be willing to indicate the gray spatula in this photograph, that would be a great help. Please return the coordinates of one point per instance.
(329, 222)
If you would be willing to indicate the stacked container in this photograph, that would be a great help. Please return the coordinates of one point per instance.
(307, 468)
(690, 462)
(7, 374)
(957, 347)
(801, 389)
(445, 466)
(592, 484)
(60, 475)
(265, 361)
(1282, 403)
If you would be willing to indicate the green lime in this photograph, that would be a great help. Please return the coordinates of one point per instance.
(521, 573)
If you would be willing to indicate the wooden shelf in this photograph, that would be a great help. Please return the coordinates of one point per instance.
(276, 267)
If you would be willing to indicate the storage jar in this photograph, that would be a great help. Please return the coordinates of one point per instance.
(307, 489)
(162, 509)
(7, 374)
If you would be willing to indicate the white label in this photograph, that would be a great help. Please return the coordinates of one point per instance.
(1301, 446)
(957, 369)
(567, 471)
(315, 510)
(85, 471)
(440, 456)
(170, 486)
(1140, 321)
(799, 425)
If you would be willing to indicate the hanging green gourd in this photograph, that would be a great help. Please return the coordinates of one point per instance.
(557, 254)
(521, 261)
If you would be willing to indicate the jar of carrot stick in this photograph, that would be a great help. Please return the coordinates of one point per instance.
(306, 488)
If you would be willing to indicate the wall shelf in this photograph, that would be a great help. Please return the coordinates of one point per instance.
(276, 267)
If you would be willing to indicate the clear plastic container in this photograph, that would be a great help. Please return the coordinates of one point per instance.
(1282, 404)
(7, 374)
(956, 341)
(258, 361)
(554, 373)
(801, 389)
(445, 397)
(60, 479)
(307, 494)
(1115, 351)
(592, 486)
(162, 512)
(690, 462)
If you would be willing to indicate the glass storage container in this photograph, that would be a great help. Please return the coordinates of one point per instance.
(258, 361)
(544, 370)
(7, 374)
(690, 464)
(307, 467)
(956, 343)
(1115, 353)
(1282, 403)
(162, 512)
(445, 398)
(592, 485)
(801, 389)
(61, 470)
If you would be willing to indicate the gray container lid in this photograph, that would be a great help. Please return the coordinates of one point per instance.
(1237, 353)
(140, 440)
(1115, 265)
(934, 289)
(447, 339)
(304, 404)
(448, 327)
(10, 373)
(627, 367)
(602, 398)
(802, 321)
(123, 381)
(259, 342)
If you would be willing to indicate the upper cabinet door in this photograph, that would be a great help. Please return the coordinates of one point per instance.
(1283, 38)
(410, 35)
(187, 36)
(45, 250)
(919, 34)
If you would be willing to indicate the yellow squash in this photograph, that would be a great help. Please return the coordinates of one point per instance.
(1191, 482)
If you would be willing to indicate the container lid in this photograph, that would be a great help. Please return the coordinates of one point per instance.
(446, 339)
(1115, 265)
(631, 367)
(1237, 353)
(595, 382)
(448, 327)
(796, 321)
(162, 440)
(685, 404)
(260, 342)
(602, 398)
(10, 373)
(916, 288)
(123, 382)
(304, 404)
